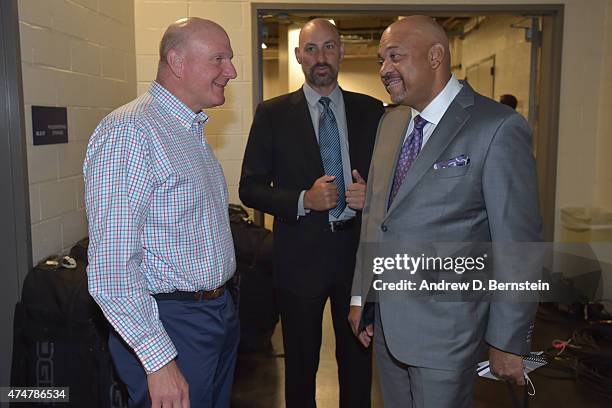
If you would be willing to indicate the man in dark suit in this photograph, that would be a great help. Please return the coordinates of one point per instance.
(449, 166)
(306, 162)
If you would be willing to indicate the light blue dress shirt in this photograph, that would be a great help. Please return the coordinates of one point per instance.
(337, 107)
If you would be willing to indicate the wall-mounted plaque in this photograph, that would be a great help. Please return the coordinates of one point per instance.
(49, 124)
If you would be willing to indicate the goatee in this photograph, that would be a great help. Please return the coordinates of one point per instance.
(325, 80)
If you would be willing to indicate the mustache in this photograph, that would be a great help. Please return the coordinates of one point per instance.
(321, 65)
(388, 77)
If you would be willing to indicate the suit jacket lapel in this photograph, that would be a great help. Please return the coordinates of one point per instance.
(394, 132)
(450, 124)
(305, 133)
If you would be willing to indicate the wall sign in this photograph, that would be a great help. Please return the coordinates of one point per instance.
(49, 124)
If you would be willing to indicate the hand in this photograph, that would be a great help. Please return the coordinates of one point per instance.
(507, 366)
(356, 192)
(354, 317)
(168, 387)
(323, 195)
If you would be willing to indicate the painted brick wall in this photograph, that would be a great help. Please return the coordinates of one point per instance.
(229, 124)
(78, 54)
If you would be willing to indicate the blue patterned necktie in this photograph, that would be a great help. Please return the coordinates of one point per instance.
(329, 143)
(410, 151)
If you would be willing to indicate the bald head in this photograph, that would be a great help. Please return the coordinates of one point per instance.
(425, 25)
(426, 31)
(181, 32)
(318, 25)
(415, 58)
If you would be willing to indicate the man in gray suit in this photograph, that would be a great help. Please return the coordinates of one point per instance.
(449, 165)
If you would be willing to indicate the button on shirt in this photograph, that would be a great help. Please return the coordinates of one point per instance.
(433, 114)
(157, 205)
(337, 107)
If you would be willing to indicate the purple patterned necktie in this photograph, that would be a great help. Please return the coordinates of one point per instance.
(410, 150)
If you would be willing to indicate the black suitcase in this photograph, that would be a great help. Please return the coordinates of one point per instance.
(61, 339)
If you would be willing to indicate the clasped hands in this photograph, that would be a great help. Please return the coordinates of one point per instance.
(323, 195)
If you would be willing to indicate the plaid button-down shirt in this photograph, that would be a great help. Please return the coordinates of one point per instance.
(157, 205)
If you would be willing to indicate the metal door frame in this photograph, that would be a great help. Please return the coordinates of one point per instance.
(15, 239)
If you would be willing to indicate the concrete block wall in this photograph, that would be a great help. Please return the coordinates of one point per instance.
(229, 125)
(78, 54)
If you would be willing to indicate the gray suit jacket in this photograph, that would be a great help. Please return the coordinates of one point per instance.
(493, 199)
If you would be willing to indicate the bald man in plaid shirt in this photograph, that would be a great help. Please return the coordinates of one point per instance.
(161, 249)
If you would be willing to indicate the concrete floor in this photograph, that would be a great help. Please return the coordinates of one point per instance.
(260, 379)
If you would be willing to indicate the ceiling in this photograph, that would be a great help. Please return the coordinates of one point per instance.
(360, 33)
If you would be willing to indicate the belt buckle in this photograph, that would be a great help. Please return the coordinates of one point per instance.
(332, 226)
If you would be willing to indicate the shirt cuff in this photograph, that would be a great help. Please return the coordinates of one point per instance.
(355, 301)
(302, 212)
(156, 352)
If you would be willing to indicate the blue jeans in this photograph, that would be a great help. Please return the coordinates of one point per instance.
(206, 335)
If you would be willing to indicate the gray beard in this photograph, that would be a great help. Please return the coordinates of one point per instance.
(398, 97)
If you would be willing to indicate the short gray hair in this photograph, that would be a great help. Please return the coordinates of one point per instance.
(173, 38)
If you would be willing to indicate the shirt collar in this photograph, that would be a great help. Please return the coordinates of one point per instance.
(437, 107)
(312, 96)
(175, 107)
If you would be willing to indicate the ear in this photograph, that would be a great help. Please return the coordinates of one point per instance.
(436, 55)
(298, 55)
(341, 52)
(175, 61)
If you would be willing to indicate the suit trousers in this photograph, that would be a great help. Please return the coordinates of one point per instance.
(408, 386)
(206, 335)
(302, 317)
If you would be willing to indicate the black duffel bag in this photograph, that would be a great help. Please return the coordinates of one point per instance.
(258, 308)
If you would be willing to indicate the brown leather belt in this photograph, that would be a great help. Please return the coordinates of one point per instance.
(197, 296)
